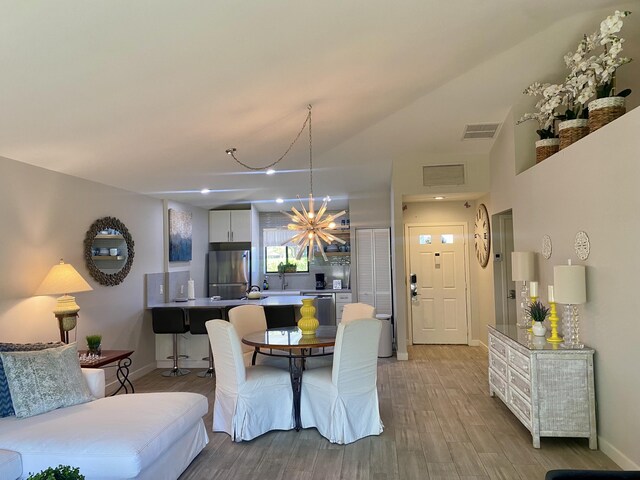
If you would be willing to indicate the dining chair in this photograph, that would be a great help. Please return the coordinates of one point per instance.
(249, 401)
(354, 311)
(248, 319)
(342, 401)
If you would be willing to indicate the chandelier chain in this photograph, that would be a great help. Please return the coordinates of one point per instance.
(231, 151)
(310, 154)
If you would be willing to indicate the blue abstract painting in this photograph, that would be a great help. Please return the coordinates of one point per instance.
(180, 232)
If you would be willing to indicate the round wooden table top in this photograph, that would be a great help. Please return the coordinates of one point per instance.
(292, 338)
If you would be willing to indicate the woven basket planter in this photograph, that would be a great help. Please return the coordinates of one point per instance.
(547, 147)
(605, 110)
(572, 130)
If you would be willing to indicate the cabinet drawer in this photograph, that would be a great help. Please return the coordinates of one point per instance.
(498, 385)
(498, 365)
(497, 346)
(518, 381)
(521, 407)
(520, 361)
(343, 298)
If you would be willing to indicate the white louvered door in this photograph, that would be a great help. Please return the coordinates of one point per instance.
(373, 263)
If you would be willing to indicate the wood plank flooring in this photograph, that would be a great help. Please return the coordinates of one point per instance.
(440, 424)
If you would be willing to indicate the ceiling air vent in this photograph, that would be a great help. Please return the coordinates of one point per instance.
(480, 130)
(436, 175)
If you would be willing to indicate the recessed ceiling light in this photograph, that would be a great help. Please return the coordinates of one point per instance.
(204, 191)
(327, 198)
(279, 200)
(271, 171)
(438, 198)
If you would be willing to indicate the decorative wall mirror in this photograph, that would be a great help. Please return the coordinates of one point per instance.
(108, 251)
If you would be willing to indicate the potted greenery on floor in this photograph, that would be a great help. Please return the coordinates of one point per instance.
(59, 473)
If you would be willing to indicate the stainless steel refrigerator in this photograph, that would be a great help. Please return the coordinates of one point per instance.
(229, 273)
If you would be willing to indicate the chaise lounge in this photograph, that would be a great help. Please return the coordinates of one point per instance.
(143, 436)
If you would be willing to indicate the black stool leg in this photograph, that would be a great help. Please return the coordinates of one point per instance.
(175, 371)
(210, 372)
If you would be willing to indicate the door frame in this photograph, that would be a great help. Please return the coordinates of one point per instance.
(407, 263)
(500, 274)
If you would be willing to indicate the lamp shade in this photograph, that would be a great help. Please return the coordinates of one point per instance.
(523, 266)
(61, 279)
(569, 286)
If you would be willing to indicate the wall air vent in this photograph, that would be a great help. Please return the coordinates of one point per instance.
(480, 130)
(437, 175)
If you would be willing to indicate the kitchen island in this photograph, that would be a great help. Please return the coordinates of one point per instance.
(197, 346)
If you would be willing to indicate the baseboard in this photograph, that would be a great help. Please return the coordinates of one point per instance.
(617, 456)
(474, 343)
(483, 345)
(403, 356)
(113, 383)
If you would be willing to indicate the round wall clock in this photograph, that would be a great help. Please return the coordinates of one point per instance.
(482, 236)
(582, 245)
(546, 247)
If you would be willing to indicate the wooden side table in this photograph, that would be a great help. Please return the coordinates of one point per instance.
(107, 357)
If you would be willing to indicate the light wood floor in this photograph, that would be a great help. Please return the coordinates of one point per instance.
(440, 423)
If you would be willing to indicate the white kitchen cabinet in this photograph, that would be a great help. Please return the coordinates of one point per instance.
(549, 389)
(229, 225)
(341, 300)
(373, 265)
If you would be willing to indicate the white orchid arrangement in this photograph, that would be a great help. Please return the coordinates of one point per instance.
(589, 75)
(594, 75)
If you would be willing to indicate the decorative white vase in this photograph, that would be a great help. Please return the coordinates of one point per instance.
(539, 330)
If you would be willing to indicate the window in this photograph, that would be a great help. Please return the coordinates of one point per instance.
(446, 238)
(276, 255)
(424, 239)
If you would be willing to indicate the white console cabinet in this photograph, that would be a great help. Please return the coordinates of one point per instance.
(548, 388)
(229, 225)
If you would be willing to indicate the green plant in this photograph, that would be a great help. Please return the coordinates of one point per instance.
(538, 311)
(546, 133)
(94, 341)
(287, 267)
(60, 473)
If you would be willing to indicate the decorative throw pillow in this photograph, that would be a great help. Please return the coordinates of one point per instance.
(6, 405)
(44, 380)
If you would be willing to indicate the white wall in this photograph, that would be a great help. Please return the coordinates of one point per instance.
(45, 216)
(590, 186)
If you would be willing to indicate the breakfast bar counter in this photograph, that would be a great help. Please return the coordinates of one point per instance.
(266, 300)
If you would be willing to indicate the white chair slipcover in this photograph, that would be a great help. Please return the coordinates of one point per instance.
(248, 319)
(354, 311)
(248, 401)
(342, 401)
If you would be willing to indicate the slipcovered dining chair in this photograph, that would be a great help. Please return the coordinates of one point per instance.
(342, 401)
(248, 319)
(354, 311)
(248, 401)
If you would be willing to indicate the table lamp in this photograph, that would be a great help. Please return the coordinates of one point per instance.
(64, 279)
(523, 269)
(570, 289)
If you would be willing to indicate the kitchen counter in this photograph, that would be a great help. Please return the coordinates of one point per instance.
(305, 292)
(206, 302)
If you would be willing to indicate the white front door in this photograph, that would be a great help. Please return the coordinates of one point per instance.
(437, 259)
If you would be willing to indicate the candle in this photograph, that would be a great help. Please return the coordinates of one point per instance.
(533, 289)
(551, 299)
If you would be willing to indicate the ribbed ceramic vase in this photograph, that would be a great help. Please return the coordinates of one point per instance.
(308, 323)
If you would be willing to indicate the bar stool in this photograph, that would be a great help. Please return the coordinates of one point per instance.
(197, 318)
(172, 320)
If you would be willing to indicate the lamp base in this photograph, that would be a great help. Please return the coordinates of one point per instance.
(66, 322)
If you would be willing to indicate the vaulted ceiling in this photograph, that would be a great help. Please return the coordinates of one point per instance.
(147, 95)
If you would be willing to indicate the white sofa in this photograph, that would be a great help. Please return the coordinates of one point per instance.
(142, 435)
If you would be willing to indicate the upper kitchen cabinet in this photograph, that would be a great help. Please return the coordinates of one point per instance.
(229, 225)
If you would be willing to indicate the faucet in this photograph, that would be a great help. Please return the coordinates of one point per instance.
(283, 283)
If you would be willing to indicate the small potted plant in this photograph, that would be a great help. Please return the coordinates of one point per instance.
(94, 344)
(552, 98)
(538, 313)
(59, 473)
(287, 267)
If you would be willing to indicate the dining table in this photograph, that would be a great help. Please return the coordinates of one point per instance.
(290, 343)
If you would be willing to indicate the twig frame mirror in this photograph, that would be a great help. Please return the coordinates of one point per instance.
(108, 251)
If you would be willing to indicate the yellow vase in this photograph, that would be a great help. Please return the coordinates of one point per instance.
(308, 323)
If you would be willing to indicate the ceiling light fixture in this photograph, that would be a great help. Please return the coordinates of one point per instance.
(279, 200)
(438, 198)
(204, 191)
(271, 171)
(313, 227)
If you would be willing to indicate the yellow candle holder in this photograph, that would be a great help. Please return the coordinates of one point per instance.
(553, 319)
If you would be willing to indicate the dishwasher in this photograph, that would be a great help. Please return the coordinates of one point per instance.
(325, 307)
